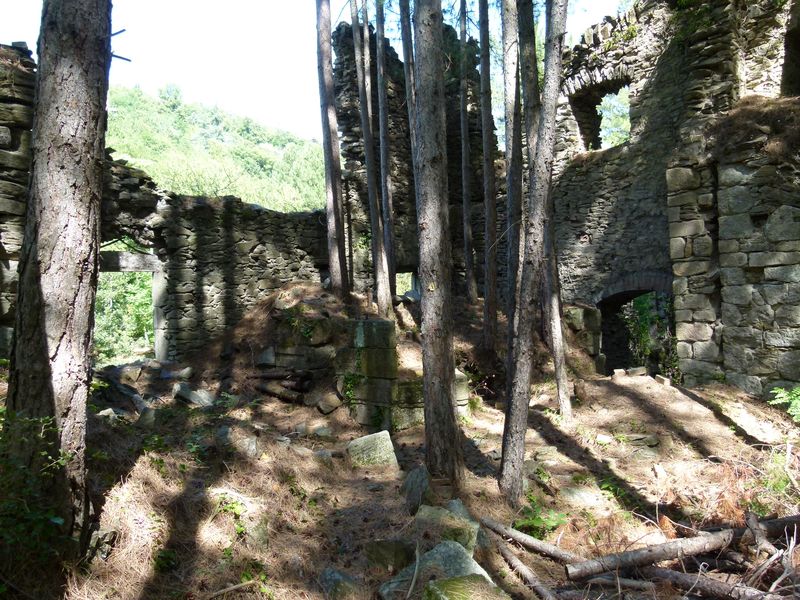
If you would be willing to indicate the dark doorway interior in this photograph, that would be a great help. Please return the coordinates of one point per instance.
(790, 82)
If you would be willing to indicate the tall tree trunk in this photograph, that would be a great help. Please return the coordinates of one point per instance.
(408, 72)
(489, 193)
(51, 355)
(513, 147)
(383, 139)
(514, 433)
(337, 260)
(379, 262)
(444, 454)
(466, 167)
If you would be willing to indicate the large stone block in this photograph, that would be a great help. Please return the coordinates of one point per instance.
(433, 524)
(788, 315)
(789, 365)
(690, 267)
(768, 259)
(682, 178)
(371, 362)
(708, 351)
(373, 450)
(701, 370)
(783, 338)
(749, 384)
(730, 175)
(783, 224)
(741, 295)
(464, 588)
(372, 333)
(735, 227)
(735, 200)
(687, 228)
(694, 332)
(789, 274)
(677, 248)
(692, 301)
(735, 259)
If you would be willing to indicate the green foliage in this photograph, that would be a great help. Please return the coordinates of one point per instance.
(197, 150)
(123, 316)
(536, 520)
(789, 397)
(652, 342)
(619, 37)
(29, 521)
(165, 561)
(615, 127)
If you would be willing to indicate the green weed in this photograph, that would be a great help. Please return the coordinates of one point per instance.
(537, 520)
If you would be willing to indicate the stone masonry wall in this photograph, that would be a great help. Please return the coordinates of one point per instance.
(216, 256)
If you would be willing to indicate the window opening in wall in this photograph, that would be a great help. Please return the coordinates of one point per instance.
(639, 331)
(123, 316)
(603, 114)
(404, 282)
(790, 81)
(615, 115)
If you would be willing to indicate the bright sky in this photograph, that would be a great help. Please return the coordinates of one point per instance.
(250, 57)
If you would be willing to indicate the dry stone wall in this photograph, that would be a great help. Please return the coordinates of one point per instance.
(212, 258)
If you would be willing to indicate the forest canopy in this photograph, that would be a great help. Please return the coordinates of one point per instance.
(199, 150)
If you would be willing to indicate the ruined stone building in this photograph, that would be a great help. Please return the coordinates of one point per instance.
(702, 202)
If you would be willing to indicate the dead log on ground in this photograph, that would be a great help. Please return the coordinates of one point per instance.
(707, 586)
(531, 543)
(522, 570)
(281, 374)
(276, 390)
(682, 548)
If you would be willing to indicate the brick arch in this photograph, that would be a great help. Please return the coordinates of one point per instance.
(643, 281)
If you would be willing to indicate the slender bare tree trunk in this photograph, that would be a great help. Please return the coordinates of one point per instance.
(337, 260)
(379, 262)
(51, 356)
(466, 166)
(513, 147)
(443, 438)
(514, 433)
(383, 138)
(489, 192)
(529, 72)
(408, 71)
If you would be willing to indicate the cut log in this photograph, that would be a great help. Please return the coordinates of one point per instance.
(522, 570)
(652, 554)
(275, 389)
(706, 586)
(623, 582)
(281, 374)
(531, 543)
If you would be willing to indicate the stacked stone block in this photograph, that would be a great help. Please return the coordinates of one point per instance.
(17, 80)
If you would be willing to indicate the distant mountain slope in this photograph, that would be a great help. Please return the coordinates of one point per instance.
(194, 149)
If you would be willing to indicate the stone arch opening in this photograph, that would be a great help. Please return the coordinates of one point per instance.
(790, 79)
(585, 104)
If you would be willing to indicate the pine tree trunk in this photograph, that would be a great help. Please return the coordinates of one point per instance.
(379, 262)
(51, 356)
(383, 139)
(514, 433)
(513, 147)
(466, 166)
(443, 438)
(337, 261)
(489, 193)
(408, 71)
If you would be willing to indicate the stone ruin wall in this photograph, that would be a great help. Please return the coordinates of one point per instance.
(212, 258)
(660, 212)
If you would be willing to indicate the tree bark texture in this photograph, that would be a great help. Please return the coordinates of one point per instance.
(516, 423)
(489, 192)
(380, 265)
(444, 454)
(337, 259)
(466, 166)
(51, 356)
(383, 140)
(408, 71)
(513, 151)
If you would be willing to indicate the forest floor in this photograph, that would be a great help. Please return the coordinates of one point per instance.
(193, 516)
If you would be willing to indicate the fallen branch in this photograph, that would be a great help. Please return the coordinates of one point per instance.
(232, 588)
(623, 582)
(275, 389)
(708, 587)
(758, 531)
(280, 374)
(531, 543)
(681, 548)
(522, 570)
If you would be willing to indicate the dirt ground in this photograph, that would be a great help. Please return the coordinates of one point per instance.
(194, 516)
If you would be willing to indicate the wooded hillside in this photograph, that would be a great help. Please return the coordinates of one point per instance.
(200, 150)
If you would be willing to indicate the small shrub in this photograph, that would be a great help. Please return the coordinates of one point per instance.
(789, 397)
(537, 520)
